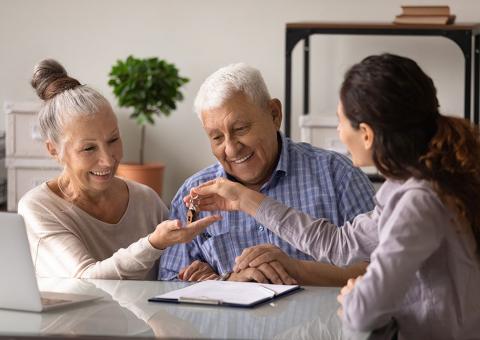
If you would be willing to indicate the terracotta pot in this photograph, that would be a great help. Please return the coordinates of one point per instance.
(150, 174)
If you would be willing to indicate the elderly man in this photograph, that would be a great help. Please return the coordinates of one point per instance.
(242, 123)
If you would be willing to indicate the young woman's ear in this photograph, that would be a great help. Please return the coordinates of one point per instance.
(367, 135)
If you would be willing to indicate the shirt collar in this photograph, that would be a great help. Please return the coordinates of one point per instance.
(283, 160)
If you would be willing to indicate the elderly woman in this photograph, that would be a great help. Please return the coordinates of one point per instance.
(87, 223)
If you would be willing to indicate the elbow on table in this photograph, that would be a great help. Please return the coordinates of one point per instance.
(360, 324)
(360, 319)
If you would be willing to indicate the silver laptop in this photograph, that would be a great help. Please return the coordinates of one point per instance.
(18, 283)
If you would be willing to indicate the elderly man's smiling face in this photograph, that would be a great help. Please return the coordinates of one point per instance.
(243, 137)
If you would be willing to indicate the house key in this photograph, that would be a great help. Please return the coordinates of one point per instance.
(192, 210)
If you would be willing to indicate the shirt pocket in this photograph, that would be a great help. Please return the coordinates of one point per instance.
(218, 250)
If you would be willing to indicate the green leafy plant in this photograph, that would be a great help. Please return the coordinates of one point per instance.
(150, 86)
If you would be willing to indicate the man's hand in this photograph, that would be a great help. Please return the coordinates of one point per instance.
(345, 291)
(265, 253)
(197, 271)
(272, 272)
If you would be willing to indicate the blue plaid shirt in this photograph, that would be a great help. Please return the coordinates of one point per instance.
(318, 182)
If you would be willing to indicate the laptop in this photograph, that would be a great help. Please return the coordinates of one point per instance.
(18, 283)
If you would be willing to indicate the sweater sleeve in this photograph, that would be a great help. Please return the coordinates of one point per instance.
(410, 233)
(59, 251)
(324, 241)
(133, 262)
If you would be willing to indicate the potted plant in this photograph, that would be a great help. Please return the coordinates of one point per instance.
(151, 87)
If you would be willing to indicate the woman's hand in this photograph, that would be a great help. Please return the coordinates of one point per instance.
(222, 194)
(197, 271)
(170, 232)
(345, 291)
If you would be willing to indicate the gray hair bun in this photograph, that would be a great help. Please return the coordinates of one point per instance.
(50, 78)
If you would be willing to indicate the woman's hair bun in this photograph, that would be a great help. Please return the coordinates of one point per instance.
(50, 78)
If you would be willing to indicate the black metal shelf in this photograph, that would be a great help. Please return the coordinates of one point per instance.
(465, 35)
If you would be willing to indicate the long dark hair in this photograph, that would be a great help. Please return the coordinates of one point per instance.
(412, 139)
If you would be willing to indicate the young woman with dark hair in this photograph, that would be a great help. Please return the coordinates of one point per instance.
(425, 266)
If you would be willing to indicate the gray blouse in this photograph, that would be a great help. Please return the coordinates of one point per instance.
(424, 269)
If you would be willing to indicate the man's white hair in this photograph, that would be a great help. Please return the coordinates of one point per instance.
(228, 81)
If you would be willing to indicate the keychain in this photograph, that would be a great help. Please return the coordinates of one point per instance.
(192, 215)
(192, 210)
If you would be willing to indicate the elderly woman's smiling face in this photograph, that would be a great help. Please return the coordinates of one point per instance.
(92, 151)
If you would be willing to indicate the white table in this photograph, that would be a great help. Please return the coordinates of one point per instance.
(125, 311)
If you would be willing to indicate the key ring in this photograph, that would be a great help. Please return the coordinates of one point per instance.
(194, 201)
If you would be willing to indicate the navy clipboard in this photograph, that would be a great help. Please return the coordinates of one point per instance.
(227, 293)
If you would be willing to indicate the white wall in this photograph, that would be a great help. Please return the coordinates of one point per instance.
(201, 36)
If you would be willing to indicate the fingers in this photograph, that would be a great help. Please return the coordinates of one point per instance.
(193, 229)
(173, 224)
(249, 274)
(208, 188)
(256, 275)
(348, 287)
(270, 273)
(203, 274)
(197, 276)
(213, 276)
(275, 273)
(340, 298)
(284, 276)
(340, 312)
(193, 192)
(197, 271)
(250, 254)
(208, 203)
(211, 203)
(170, 225)
(345, 290)
(203, 185)
(189, 270)
(171, 232)
(180, 273)
(265, 257)
(350, 283)
(200, 191)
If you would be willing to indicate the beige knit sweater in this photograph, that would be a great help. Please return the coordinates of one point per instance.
(68, 242)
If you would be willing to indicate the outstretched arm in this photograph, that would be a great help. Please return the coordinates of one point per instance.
(324, 241)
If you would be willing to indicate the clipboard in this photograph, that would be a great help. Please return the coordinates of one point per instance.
(227, 293)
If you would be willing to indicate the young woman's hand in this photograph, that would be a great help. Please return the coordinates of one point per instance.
(223, 194)
(171, 232)
(345, 291)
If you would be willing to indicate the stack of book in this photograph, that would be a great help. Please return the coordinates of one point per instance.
(428, 15)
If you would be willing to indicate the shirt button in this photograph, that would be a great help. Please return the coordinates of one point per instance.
(261, 228)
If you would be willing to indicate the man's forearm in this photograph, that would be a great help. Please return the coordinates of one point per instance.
(324, 274)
